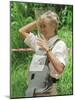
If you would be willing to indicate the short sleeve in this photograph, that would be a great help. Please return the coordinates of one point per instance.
(30, 40)
(61, 52)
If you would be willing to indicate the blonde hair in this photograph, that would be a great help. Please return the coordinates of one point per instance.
(52, 16)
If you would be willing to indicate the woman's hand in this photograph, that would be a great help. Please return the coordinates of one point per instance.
(42, 42)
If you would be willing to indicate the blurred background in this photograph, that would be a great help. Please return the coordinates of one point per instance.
(22, 13)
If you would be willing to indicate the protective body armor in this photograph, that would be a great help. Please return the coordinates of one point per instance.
(39, 74)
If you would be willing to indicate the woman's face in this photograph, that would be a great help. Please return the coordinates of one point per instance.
(47, 26)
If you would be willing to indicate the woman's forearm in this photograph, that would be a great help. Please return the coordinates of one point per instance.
(59, 67)
(27, 28)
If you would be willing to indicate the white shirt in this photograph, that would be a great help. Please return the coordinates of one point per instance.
(60, 50)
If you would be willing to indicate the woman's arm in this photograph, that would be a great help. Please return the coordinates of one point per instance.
(59, 67)
(25, 30)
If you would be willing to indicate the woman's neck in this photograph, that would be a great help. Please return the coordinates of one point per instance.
(49, 35)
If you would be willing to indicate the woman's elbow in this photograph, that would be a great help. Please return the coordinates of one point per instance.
(20, 31)
(61, 69)
(23, 33)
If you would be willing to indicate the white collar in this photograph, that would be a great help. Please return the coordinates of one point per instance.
(52, 40)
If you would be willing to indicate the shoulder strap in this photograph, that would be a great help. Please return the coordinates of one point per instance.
(55, 43)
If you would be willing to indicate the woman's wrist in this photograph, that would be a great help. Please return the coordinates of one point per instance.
(48, 50)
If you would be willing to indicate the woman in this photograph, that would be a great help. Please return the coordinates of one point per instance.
(57, 54)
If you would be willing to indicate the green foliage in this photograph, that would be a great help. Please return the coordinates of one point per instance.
(19, 83)
(66, 36)
(19, 74)
(22, 14)
(67, 17)
(65, 86)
